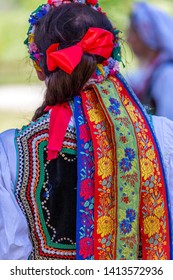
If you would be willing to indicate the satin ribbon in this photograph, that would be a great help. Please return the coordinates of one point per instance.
(59, 119)
(96, 41)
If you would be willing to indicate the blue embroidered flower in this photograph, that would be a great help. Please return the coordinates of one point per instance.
(125, 226)
(125, 164)
(131, 215)
(114, 108)
(130, 153)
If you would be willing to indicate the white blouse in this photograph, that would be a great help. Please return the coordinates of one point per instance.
(15, 243)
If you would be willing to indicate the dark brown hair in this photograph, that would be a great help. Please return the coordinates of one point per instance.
(66, 25)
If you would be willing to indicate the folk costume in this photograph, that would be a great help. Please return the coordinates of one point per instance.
(86, 180)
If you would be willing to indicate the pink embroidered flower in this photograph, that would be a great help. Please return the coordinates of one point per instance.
(86, 189)
(84, 132)
(92, 2)
(86, 247)
(33, 48)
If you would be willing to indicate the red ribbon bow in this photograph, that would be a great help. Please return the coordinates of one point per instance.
(59, 119)
(96, 41)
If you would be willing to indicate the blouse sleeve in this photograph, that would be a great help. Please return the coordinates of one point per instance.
(164, 132)
(14, 235)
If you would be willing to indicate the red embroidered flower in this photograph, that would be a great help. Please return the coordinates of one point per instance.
(125, 199)
(86, 189)
(92, 2)
(86, 247)
(84, 132)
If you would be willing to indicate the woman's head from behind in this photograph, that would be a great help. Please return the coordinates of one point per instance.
(150, 30)
(67, 25)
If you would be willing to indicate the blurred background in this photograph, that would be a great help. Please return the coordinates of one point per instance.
(20, 91)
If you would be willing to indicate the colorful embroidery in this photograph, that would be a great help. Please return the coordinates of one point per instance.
(85, 203)
(121, 186)
(104, 203)
(154, 223)
(127, 170)
(32, 191)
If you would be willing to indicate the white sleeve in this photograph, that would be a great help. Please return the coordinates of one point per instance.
(163, 92)
(164, 132)
(15, 243)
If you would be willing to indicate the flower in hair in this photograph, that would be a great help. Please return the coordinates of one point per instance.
(92, 2)
(56, 3)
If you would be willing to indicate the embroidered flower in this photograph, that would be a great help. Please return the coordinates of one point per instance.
(125, 164)
(123, 139)
(131, 110)
(84, 133)
(147, 168)
(159, 211)
(87, 190)
(131, 215)
(86, 247)
(105, 226)
(105, 167)
(96, 115)
(87, 220)
(150, 154)
(125, 226)
(125, 199)
(114, 108)
(130, 153)
(151, 225)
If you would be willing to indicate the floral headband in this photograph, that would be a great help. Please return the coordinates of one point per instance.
(41, 11)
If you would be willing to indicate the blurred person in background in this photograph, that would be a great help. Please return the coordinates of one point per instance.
(150, 36)
(85, 178)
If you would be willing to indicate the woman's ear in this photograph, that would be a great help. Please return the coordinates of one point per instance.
(41, 75)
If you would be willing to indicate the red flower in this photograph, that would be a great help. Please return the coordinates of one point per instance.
(92, 2)
(125, 199)
(87, 190)
(84, 133)
(86, 247)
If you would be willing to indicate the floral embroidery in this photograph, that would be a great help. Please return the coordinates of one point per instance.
(87, 189)
(131, 215)
(125, 226)
(147, 167)
(105, 225)
(114, 107)
(159, 212)
(125, 164)
(105, 167)
(151, 225)
(96, 115)
(86, 247)
(153, 208)
(130, 153)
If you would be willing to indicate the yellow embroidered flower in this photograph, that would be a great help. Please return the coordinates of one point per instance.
(131, 111)
(147, 168)
(150, 154)
(105, 167)
(96, 115)
(151, 225)
(159, 211)
(105, 226)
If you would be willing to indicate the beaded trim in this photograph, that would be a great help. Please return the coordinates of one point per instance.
(32, 190)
